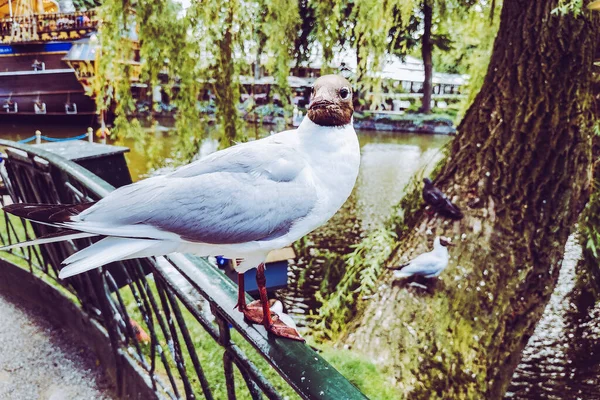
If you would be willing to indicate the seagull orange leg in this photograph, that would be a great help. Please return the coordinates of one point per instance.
(272, 323)
(261, 281)
(259, 311)
(241, 303)
(253, 311)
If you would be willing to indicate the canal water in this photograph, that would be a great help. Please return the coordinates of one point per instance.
(562, 358)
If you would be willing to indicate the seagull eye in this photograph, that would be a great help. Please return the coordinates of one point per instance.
(344, 92)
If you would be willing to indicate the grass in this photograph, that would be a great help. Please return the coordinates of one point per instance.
(209, 352)
(375, 382)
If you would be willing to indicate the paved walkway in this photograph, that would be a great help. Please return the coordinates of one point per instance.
(41, 362)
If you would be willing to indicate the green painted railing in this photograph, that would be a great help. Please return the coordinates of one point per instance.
(172, 318)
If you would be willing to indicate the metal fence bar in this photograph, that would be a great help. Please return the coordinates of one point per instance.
(148, 293)
(188, 342)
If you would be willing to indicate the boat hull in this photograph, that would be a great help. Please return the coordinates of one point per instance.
(50, 90)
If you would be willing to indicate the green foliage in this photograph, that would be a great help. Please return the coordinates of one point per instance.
(373, 380)
(574, 7)
(474, 50)
(475, 32)
(362, 268)
(280, 28)
(406, 33)
(372, 21)
(81, 5)
(305, 38)
(191, 54)
(155, 33)
(200, 53)
(589, 229)
(329, 21)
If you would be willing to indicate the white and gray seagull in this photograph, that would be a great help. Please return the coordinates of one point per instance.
(239, 203)
(428, 265)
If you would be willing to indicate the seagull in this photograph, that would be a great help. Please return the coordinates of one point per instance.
(428, 265)
(439, 201)
(239, 203)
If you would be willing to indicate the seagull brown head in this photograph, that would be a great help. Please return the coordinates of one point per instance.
(445, 241)
(331, 101)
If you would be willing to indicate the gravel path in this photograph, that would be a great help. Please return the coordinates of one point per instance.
(42, 362)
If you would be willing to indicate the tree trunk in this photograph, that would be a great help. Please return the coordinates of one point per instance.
(522, 163)
(426, 49)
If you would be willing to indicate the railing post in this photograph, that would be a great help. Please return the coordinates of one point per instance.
(38, 137)
(90, 134)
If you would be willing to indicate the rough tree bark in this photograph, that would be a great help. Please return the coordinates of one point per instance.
(426, 53)
(523, 162)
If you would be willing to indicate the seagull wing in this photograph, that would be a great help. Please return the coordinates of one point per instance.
(250, 192)
(433, 196)
(426, 264)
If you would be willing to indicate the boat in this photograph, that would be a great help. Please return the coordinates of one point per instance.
(35, 79)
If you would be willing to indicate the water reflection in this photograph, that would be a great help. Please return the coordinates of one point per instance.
(385, 170)
(560, 360)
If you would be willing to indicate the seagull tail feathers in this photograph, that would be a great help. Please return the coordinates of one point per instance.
(450, 210)
(105, 251)
(402, 274)
(50, 238)
(398, 267)
(52, 214)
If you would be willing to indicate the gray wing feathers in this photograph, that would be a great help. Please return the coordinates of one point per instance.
(234, 198)
(279, 163)
(425, 264)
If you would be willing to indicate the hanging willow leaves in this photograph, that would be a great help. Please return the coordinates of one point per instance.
(372, 21)
(280, 28)
(193, 56)
(144, 46)
(328, 23)
(196, 56)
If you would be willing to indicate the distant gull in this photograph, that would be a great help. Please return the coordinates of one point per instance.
(239, 203)
(428, 265)
(439, 201)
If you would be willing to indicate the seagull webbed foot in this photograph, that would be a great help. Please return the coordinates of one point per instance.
(253, 312)
(259, 311)
(279, 328)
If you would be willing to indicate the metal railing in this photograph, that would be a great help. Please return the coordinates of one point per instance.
(173, 318)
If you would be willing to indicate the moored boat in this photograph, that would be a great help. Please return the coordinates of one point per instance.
(34, 78)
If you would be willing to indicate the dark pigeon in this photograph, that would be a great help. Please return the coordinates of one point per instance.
(439, 202)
